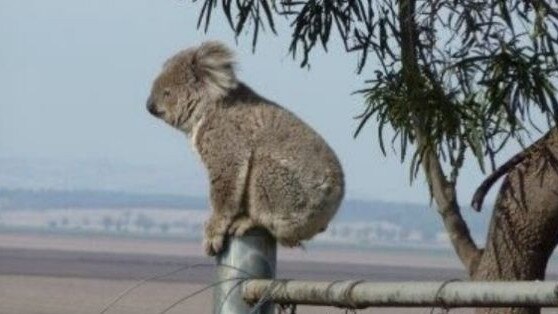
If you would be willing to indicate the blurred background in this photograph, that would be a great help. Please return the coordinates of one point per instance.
(95, 193)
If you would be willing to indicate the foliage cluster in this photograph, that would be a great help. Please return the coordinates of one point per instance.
(482, 65)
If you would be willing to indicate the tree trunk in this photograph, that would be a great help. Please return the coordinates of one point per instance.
(442, 190)
(524, 227)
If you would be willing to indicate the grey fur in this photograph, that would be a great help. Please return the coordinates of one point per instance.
(266, 167)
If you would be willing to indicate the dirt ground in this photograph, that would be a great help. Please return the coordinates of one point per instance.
(47, 274)
(49, 295)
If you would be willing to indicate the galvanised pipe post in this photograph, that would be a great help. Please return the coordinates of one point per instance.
(253, 255)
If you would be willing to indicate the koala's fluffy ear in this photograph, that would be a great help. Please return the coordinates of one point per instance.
(213, 65)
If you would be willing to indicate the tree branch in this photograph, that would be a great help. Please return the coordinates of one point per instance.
(441, 189)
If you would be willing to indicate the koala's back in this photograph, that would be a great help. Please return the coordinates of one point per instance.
(272, 131)
(293, 173)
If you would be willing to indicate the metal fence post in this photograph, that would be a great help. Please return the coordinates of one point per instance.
(253, 255)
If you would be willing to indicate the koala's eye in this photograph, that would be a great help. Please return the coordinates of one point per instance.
(166, 92)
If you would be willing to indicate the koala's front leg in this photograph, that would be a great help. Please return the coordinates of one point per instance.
(228, 188)
(215, 230)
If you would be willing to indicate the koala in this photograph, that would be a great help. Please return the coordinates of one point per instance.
(266, 167)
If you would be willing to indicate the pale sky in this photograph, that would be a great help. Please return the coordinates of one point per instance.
(74, 77)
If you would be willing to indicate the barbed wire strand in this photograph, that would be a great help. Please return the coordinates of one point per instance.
(193, 294)
(133, 287)
(444, 307)
(229, 294)
(284, 307)
(265, 297)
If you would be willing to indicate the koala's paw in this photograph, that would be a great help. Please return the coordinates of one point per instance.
(214, 237)
(241, 225)
(290, 242)
(214, 244)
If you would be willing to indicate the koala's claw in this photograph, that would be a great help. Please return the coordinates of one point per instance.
(213, 245)
(241, 225)
(215, 231)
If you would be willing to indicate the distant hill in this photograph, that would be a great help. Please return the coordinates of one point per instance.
(47, 184)
(406, 215)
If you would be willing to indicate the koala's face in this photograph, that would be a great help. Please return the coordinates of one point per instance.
(190, 81)
(171, 90)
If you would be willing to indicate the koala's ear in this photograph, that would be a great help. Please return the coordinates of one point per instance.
(213, 66)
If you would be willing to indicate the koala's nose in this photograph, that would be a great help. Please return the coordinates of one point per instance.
(151, 106)
(151, 109)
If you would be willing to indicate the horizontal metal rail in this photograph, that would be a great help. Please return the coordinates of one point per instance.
(362, 294)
